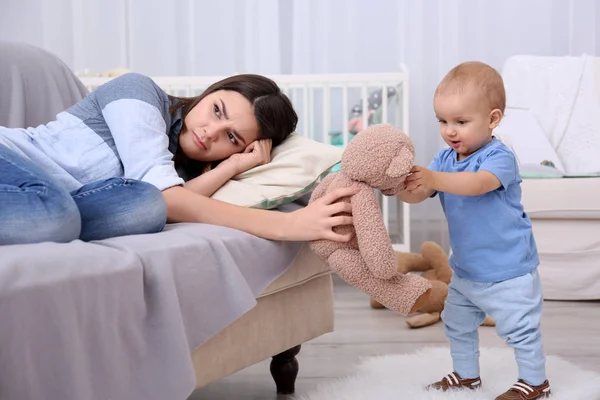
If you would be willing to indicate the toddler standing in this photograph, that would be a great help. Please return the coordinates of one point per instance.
(494, 255)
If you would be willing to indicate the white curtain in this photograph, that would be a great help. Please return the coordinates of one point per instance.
(199, 37)
(155, 37)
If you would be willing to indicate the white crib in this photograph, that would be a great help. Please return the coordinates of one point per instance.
(324, 103)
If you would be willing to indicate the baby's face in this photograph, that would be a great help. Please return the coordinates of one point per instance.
(465, 121)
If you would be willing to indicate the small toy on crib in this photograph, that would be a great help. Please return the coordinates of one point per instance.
(114, 72)
(355, 121)
(355, 124)
(547, 163)
(379, 157)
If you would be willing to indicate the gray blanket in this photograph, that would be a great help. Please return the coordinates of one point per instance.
(118, 319)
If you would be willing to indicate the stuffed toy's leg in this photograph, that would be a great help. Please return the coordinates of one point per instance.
(434, 301)
(426, 319)
(411, 262)
(437, 297)
(422, 320)
(433, 265)
(402, 293)
(375, 304)
(406, 262)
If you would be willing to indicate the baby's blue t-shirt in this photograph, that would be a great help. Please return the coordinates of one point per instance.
(490, 234)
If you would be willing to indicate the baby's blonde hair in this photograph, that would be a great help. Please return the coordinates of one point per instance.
(475, 74)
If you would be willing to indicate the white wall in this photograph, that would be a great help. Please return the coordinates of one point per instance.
(186, 37)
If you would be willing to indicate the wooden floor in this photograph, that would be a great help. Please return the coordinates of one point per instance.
(571, 330)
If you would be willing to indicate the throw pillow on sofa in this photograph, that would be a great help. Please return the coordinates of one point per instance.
(522, 133)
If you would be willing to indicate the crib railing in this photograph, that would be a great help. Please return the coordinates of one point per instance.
(331, 108)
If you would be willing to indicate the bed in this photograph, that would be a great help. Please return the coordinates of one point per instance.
(155, 316)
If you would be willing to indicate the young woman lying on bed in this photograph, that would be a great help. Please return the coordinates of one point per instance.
(112, 164)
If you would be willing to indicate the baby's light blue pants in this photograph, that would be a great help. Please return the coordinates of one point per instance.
(515, 305)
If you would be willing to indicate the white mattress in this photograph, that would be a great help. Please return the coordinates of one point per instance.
(565, 214)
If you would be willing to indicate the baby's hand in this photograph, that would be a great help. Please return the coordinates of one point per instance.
(420, 179)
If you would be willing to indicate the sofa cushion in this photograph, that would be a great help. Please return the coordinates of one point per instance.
(567, 236)
(306, 266)
(569, 251)
(522, 133)
(577, 198)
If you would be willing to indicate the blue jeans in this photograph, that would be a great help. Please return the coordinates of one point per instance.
(515, 305)
(35, 209)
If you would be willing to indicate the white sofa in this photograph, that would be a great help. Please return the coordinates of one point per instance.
(565, 212)
(566, 222)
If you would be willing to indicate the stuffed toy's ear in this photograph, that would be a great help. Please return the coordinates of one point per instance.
(399, 166)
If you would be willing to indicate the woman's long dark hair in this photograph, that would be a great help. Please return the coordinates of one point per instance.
(273, 111)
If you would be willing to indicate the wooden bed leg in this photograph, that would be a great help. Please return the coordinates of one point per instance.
(284, 370)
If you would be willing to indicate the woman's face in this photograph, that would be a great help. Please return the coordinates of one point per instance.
(220, 125)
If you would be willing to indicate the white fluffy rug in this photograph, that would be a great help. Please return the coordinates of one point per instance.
(404, 376)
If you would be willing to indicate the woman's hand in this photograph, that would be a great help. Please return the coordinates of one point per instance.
(255, 154)
(317, 220)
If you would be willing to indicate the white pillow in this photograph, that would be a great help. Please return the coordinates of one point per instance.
(297, 166)
(520, 130)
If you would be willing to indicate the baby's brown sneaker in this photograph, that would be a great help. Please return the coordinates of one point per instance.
(453, 381)
(523, 391)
